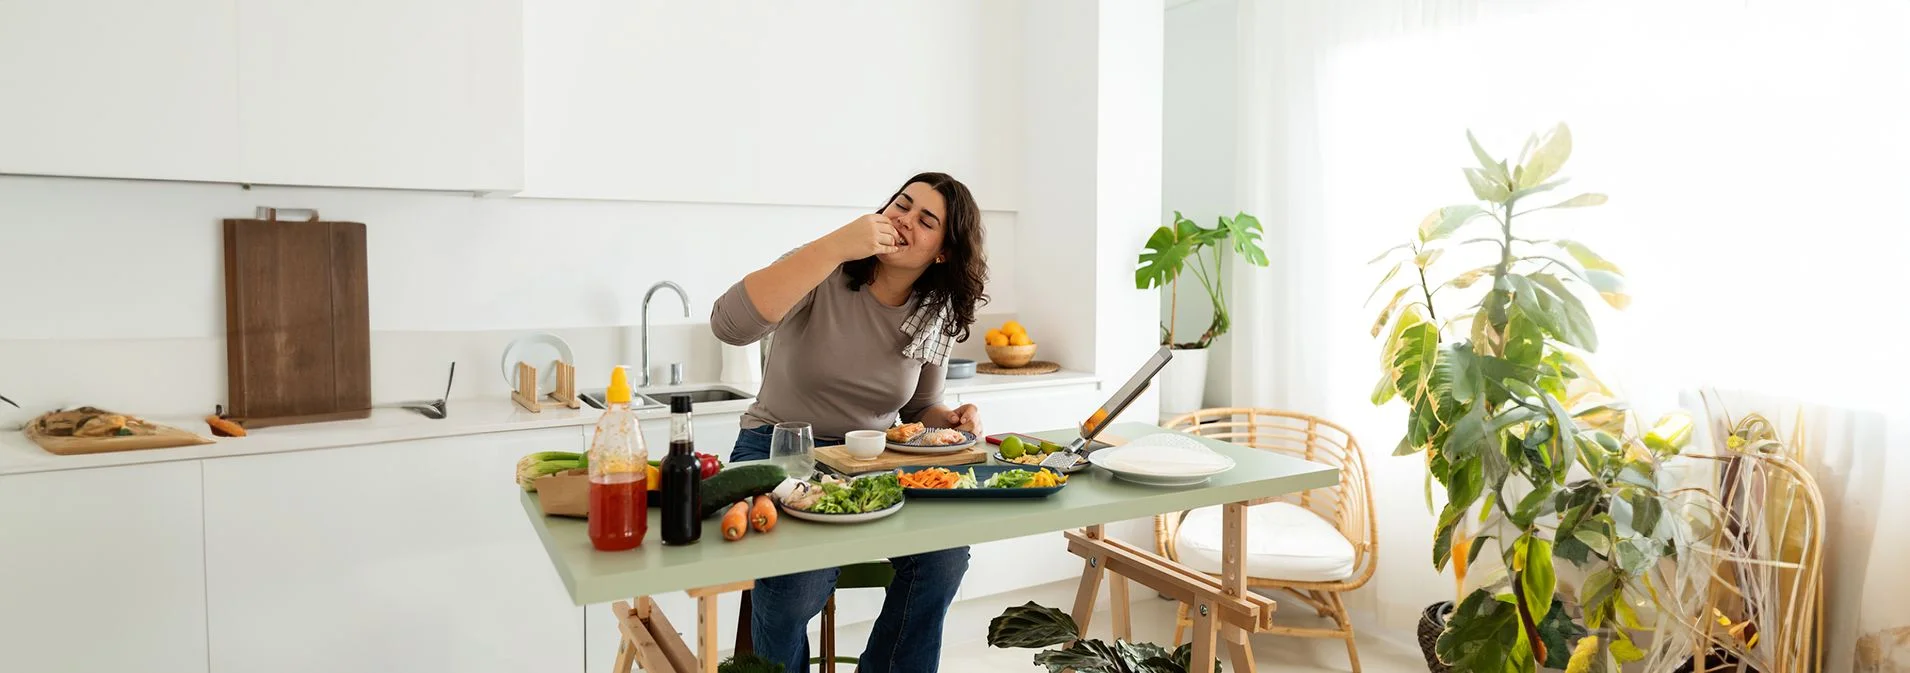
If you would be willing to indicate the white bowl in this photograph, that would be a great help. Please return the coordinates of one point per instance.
(864, 444)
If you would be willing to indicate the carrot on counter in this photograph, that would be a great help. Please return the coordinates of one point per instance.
(736, 521)
(762, 516)
(224, 428)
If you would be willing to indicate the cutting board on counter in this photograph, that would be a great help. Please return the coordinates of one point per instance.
(839, 460)
(298, 321)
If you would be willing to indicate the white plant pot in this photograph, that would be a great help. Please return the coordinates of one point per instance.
(1184, 382)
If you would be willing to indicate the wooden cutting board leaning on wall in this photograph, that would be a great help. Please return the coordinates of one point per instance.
(298, 320)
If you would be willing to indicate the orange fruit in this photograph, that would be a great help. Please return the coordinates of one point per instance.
(1012, 328)
(995, 338)
(994, 333)
(1020, 339)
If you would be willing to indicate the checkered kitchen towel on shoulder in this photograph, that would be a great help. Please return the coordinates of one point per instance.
(927, 341)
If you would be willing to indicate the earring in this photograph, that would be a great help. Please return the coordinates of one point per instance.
(939, 259)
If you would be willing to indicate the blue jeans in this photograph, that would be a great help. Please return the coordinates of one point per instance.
(907, 635)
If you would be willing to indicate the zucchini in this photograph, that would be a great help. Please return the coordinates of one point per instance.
(739, 483)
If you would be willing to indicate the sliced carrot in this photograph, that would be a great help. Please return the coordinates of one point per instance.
(762, 516)
(736, 521)
(934, 477)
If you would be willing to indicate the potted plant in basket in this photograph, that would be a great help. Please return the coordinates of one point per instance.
(1534, 455)
(1184, 245)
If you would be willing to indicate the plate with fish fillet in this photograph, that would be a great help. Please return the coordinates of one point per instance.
(918, 438)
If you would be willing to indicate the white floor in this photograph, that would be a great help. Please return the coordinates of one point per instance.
(965, 648)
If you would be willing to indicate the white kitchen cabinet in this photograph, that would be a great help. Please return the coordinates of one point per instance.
(829, 103)
(409, 556)
(119, 88)
(1033, 409)
(405, 94)
(102, 570)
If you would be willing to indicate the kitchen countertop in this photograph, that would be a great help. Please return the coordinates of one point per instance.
(19, 455)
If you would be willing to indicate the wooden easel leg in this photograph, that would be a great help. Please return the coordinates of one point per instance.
(1239, 649)
(829, 635)
(1117, 594)
(1203, 659)
(1180, 624)
(649, 641)
(706, 646)
(1090, 587)
(626, 655)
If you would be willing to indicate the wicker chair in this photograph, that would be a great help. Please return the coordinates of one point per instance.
(1316, 579)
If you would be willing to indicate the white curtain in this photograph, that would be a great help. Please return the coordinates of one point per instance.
(1755, 154)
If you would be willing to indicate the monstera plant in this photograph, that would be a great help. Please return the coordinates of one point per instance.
(1032, 625)
(1185, 246)
(1536, 458)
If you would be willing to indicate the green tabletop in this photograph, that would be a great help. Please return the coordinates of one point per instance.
(1092, 497)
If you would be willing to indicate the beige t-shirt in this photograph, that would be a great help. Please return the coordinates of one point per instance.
(837, 361)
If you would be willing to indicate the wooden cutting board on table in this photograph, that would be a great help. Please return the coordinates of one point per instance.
(298, 320)
(839, 460)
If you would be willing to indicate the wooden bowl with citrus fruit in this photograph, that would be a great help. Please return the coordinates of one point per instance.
(1009, 346)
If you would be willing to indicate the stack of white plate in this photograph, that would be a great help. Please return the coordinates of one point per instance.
(1166, 459)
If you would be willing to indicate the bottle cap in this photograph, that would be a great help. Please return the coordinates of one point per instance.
(619, 392)
(679, 404)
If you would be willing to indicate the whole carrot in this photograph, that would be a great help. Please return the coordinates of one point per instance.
(736, 521)
(762, 516)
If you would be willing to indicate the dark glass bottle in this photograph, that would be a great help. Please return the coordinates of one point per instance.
(682, 479)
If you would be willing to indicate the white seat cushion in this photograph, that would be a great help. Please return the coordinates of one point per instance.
(1284, 542)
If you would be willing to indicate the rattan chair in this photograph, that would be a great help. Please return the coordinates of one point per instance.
(1294, 547)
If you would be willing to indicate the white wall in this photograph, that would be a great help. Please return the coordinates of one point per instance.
(1059, 163)
(1092, 148)
(736, 101)
(1092, 151)
(727, 133)
(1128, 185)
(1199, 149)
(122, 290)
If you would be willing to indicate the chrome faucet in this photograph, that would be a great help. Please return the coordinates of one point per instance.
(676, 370)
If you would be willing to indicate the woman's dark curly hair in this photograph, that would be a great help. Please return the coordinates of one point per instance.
(956, 283)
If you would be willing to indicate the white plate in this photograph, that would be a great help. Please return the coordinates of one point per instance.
(543, 351)
(844, 518)
(933, 450)
(1101, 460)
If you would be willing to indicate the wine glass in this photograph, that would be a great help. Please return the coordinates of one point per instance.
(793, 447)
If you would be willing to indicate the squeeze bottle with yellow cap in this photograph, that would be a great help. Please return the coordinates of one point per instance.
(619, 513)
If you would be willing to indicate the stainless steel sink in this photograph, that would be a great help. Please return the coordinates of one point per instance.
(699, 396)
(660, 397)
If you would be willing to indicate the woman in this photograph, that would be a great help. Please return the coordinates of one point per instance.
(863, 317)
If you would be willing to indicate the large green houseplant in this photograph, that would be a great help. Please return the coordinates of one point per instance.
(1184, 246)
(1534, 455)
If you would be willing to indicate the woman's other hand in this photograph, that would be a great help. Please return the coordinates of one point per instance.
(869, 235)
(966, 418)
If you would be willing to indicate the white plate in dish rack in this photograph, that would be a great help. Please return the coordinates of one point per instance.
(543, 351)
(1117, 461)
